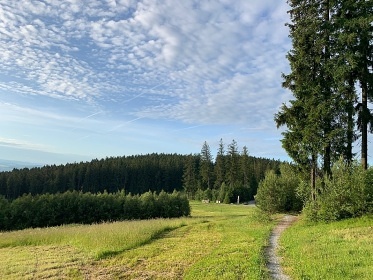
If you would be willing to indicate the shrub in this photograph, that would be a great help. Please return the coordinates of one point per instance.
(77, 207)
(277, 193)
(4, 208)
(348, 193)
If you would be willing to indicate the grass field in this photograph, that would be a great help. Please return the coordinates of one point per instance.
(218, 242)
(338, 250)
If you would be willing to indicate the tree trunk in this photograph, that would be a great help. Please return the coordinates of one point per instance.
(364, 126)
(327, 124)
(350, 121)
(313, 177)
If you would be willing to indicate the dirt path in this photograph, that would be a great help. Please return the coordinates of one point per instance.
(273, 261)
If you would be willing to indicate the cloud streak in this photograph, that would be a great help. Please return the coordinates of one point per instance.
(20, 144)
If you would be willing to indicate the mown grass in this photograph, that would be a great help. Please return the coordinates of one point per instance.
(217, 242)
(338, 250)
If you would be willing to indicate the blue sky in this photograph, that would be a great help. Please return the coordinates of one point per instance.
(90, 79)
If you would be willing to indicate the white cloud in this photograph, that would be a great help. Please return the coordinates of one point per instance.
(20, 144)
(220, 61)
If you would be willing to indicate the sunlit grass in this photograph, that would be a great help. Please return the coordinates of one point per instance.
(218, 242)
(239, 252)
(96, 240)
(338, 250)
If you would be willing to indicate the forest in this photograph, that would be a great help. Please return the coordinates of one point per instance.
(232, 172)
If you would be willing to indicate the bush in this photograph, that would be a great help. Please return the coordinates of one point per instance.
(77, 207)
(277, 193)
(369, 190)
(4, 208)
(348, 193)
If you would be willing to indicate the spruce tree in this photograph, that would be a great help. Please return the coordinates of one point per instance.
(232, 164)
(219, 169)
(314, 132)
(206, 166)
(190, 184)
(354, 21)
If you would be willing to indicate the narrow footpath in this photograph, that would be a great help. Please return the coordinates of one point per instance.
(273, 261)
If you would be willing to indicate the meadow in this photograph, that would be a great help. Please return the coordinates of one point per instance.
(218, 241)
(337, 250)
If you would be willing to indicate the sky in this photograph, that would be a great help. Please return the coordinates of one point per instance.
(92, 79)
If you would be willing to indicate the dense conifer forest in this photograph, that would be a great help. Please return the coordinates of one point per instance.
(232, 172)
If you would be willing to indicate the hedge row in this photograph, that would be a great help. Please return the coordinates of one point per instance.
(85, 208)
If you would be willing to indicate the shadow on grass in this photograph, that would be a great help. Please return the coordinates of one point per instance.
(157, 235)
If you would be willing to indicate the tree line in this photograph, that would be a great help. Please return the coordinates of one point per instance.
(233, 175)
(133, 174)
(139, 174)
(30, 211)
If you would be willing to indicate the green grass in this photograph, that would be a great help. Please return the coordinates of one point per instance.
(98, 240)
(217, 242)
(338, 250)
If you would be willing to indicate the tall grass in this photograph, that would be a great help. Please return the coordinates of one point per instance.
(217, 242)
(96, 240)
(337, 250)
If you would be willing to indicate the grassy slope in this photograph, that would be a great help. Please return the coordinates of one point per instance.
(338, 250)
(217, 242)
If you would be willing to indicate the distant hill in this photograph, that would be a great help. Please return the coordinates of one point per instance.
(137, 175)
(9, 165)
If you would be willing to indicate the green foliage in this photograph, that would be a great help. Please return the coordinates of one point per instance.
(194, 174)
(232, 175)
(86, 208)
(135, 174)
(4, 208)
(348, 193)
(206, 167)
(331, 57)
(277, 193)
(369, 189)
(190, 176)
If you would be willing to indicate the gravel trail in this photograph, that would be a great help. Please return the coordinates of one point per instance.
(273, 261)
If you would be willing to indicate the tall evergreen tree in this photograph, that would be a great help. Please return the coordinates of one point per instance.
(355, 34)
(232, 164)
(190, 181)
(302, 140)
(332, 52)
(313, 118)
(206, 166)
(244, 166)
(219, 169)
